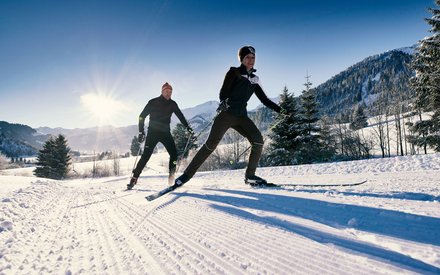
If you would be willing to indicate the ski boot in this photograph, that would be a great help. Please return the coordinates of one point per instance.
(132, 183)
(254, 180)
(184, 178)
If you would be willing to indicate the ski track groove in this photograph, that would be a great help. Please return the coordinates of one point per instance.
(275, 263)
(120, 242)
(214, 263)
(162, 240)
(272, 246)
(94, 231)
(226, 246)
(112, 253)
(313, 253)
(128, 214)
(163, 236)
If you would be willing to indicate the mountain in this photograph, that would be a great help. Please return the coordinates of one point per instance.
(376, 77)
(205, 109)
(361, 84)
(105, 138)
(18, 140)
(98, 139)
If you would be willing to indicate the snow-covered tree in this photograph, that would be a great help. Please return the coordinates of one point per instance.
(54, 159)
(284, 133)
(181, 137)
(359, 120)
(310, 137)
(426, 83)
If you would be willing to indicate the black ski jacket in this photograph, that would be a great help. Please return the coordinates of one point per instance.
(238, 87)
(160, 111)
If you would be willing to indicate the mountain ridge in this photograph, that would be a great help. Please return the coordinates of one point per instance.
(363, 83)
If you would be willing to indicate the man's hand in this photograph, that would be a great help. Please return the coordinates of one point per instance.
(141, 137)
(223, 106)
(190, 130)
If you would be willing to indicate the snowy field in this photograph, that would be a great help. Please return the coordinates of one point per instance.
(216, 224)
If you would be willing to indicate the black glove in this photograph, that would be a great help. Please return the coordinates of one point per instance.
(141, 137)
(190, 130)
(223, 106)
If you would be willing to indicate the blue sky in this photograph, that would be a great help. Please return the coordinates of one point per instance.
(86, 63)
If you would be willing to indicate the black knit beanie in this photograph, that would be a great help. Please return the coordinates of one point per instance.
(245, 51)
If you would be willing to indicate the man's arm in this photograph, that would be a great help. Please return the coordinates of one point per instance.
(143, 115)
(180, 115)
(227, 83)
(265, 100)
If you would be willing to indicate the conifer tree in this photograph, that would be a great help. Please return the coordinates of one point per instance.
(54, 159)
(359, 119)
(310, 137)
(135, 146)
(284, 133)
(181, 136)
(426, 83)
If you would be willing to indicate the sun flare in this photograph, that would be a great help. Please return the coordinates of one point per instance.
(102, 107)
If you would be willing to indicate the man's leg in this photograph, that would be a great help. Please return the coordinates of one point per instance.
(221, 124)
(150, 142)
(168, 141)
(248, 129)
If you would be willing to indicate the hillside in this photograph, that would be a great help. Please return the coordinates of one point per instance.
(17, 140)
(376, 77)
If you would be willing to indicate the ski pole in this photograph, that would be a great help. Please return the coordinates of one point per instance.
(268, 130)
(135, 160)
(184, 152)
(223, 106)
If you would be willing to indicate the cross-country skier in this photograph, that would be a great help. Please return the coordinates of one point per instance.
(160, 110)
(239, 85)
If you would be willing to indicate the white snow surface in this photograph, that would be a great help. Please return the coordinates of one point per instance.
(215, 224)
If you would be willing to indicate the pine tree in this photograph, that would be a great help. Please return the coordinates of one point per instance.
(359, 119)
(181, 137)
(54, 159)
(135, 146)
(426, 83)
(310, 137)
(284, 133)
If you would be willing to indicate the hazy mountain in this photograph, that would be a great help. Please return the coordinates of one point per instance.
(107, 138)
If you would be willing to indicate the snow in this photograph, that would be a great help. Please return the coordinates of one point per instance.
(215, 224)
(408, 50)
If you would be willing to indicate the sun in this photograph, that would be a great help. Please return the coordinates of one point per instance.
(102, 107)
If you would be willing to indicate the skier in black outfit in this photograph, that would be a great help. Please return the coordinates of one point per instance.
(239, 85)
(160, 110)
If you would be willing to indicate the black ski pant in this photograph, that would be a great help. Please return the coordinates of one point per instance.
(154, 137)
(222, 123)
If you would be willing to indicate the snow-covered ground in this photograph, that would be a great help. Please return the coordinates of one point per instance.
(216, 224)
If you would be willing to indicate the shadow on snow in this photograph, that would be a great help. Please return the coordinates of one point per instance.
(395, 224)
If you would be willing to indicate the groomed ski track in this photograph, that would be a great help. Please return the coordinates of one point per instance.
(209, 227)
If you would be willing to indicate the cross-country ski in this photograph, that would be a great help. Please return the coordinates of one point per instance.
(342, 184)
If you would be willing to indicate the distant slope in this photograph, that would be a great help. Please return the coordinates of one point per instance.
(364, 82)
(106, 138)
(20, 140)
